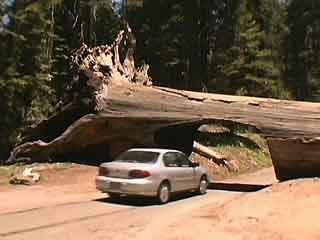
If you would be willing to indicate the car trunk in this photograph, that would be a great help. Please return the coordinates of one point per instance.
(121, 169)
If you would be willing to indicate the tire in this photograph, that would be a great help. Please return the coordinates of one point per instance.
(203, 185)
(164, 193)
(114, 195)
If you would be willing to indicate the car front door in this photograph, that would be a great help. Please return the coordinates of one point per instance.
(187, 172)
(172, 170)
(179, 170)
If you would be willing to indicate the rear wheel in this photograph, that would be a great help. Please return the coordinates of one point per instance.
(164, 193)
(203, 185)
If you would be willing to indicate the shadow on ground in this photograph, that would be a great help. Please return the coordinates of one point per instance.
(138, 201)
(237, 187)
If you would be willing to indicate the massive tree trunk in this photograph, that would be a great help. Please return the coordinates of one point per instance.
(116, 108)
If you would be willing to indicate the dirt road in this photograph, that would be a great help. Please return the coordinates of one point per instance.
(79, 212)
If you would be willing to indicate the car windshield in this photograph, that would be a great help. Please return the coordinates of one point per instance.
(138, 157)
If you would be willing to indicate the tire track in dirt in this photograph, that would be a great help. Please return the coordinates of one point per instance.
(39, 208)
(81, 219)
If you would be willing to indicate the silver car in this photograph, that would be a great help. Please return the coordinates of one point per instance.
(151, 172)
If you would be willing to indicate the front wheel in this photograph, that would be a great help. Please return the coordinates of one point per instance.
(164, 193)
(203, 185)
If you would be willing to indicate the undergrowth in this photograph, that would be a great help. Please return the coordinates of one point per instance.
(245, 150)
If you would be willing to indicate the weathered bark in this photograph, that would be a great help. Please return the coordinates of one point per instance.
(295, 157)
(124, 112)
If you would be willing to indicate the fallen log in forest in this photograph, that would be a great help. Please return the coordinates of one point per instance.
(116, 108)
(210, 154)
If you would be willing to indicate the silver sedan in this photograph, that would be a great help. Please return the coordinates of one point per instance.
(151, 172)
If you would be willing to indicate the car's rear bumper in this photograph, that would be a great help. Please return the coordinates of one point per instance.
(142, 187)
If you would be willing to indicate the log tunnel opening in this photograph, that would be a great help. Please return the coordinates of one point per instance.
(234, 135)
(182, 137)
(178, 137)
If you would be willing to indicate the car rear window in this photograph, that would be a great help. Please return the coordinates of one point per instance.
(138, 157)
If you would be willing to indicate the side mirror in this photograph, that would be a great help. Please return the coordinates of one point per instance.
(195, 164)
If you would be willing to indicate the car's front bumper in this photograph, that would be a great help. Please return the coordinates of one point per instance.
(142, 187)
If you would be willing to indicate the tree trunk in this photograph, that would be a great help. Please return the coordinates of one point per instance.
(122, 111)
(191, 11)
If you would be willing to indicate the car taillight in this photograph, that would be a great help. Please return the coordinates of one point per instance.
(139, 174)
(103, 171)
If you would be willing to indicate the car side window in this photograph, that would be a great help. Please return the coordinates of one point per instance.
(170, 160)
(182, 160)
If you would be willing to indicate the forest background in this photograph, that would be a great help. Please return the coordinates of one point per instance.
(263, 48)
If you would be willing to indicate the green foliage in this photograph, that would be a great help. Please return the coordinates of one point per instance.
(26, 94)
(250, 64)
(264, 48)
(232, 47)
(37, 39)
(302, 48)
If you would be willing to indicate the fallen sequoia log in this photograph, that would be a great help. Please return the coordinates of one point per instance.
(116, 108)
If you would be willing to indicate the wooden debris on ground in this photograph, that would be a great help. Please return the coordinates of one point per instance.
(27, 177)
(211, 155)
